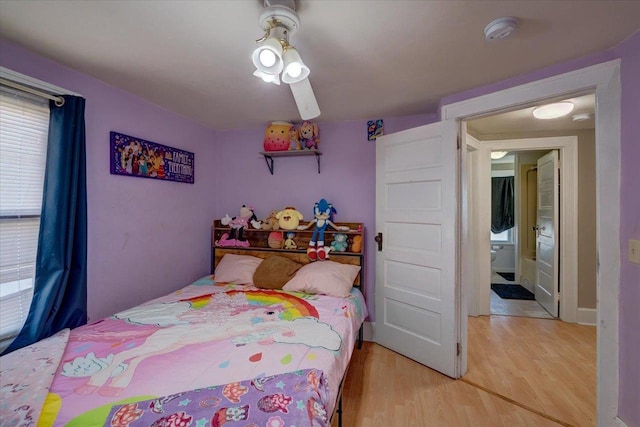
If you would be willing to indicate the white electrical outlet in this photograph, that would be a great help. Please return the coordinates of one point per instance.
(634, 251)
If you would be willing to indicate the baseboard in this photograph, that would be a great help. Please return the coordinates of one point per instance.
(587, 316)
(619, 422)
(368, 331)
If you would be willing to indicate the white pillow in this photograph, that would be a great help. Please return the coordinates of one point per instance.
(237, 269)
(324, 277)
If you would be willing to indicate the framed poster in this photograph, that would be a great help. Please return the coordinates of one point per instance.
(145, 159)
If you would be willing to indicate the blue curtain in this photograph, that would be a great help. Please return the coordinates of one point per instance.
(60, 288)
(502, 204)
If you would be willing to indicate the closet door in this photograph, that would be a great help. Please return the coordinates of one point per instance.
(415, 313)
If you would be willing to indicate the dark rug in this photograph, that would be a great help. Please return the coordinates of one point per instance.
(508, 276)
(512, 291)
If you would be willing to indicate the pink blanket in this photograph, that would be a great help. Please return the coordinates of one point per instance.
(201, 336)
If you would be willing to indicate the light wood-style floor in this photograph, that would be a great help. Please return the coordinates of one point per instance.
(384, 388)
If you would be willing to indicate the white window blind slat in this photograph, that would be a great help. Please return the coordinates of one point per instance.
(24, 126)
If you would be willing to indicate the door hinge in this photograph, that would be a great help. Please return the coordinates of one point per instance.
(458, 349)
(458, 141)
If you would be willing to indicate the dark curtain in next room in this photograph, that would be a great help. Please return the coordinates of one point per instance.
(502, 201)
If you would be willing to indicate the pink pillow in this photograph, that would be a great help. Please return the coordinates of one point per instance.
(324, 277)
(237, 269)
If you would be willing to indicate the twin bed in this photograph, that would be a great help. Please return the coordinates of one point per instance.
(217, 352)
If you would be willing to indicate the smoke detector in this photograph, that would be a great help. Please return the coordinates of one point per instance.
(500, 28)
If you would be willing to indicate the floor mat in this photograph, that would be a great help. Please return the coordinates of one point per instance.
(508, 276)
(512, 291)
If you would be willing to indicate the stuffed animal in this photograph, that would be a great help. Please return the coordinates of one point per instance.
(270, 222)
(276, 136)
(290, 243)
(356, 246)
(294, 139)
(275, 240)
(289, 218)
(309, 135)
(237, 224)
(323, 212)
(339, 243)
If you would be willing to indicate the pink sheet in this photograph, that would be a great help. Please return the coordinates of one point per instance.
(200, 336)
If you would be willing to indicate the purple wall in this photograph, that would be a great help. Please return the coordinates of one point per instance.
(135, 226)
(347, 177)
(629, 332)
(629, 400)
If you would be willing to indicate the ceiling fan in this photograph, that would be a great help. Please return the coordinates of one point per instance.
(276, 59)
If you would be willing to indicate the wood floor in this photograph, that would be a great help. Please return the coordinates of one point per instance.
(384, 388)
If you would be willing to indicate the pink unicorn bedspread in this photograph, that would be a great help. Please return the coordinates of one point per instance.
(201, 336)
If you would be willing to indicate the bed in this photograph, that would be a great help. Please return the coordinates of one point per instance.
(212, 353)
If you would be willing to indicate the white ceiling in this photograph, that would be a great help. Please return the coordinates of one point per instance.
(368, 59)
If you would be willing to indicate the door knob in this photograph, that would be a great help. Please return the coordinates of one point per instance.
(378, 239)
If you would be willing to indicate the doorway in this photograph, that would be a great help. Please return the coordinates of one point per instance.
(577, 219)
(605, 78)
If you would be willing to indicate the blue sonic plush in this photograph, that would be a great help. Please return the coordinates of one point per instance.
(323, 212)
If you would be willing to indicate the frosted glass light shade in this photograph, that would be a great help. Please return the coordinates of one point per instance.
(495, 155)
(268, 57)
(294, 69)
(553, 111)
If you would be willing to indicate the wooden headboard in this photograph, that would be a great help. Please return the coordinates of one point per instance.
(259, 246)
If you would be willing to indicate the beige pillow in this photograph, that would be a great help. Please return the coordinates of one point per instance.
(324, 277)
(274, 272)
(237, 269)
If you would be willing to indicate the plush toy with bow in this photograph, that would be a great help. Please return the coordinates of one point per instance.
(323, 212)
(237, 224)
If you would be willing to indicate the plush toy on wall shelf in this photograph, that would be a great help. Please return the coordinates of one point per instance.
(237, 224)
(323, 212)
(308, 133)
(277, 136)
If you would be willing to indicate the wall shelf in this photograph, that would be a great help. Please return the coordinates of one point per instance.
(270, 155)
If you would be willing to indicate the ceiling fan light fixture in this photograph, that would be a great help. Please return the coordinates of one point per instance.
(495, 155)
(268, 78)
(294, 69)
(553, 111)
(268, 56)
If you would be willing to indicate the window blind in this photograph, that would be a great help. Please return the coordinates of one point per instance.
(24, 125)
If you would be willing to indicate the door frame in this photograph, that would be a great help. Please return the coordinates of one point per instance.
(605, 78)
(568, 220)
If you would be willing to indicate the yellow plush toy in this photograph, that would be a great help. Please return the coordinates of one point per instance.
(289, 218)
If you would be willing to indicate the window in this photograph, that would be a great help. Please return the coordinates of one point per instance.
(505, 237)
(24, 125)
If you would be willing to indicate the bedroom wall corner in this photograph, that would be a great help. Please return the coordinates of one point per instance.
(146, 237)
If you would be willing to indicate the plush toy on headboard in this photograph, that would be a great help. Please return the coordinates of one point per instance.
(323, 212)
(237, 225)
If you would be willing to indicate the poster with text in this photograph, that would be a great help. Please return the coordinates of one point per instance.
(145, 159)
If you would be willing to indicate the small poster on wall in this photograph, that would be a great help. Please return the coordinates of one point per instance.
(375, 128)
(145, 159)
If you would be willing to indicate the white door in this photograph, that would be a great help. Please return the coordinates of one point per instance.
(415, 269)
(546, 290)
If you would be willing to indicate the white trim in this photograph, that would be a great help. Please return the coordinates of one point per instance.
(368, 328)
(8, 74)
(587, 316)
(605, 78)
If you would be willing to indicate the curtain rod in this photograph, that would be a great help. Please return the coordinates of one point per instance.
(59, 101)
